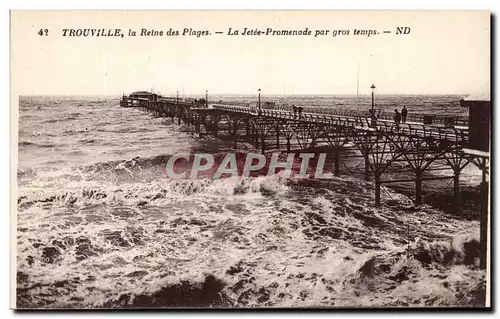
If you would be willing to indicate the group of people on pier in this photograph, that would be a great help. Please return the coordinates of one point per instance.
(297, 109)
(400, 117)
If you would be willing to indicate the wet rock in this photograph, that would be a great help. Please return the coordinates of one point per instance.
(73, 220)
(167, 273)
(368, 268)
(211, 286)
(122, 302)
(184, 294)
(264, 295)
(471, 251)
(245, 296)
(368, 220)
(178, 222)
(235, 239)
(274, 285)
(115, 238)
(423, 256)
(157, 196)
(21, 277)
(137, 273)
(84, 251)
(239, 285)
(449, 257)
(197, 222)
(142, 202)
(303, 295)
(385, 267)
(38, 245)
(401, 275)
(64, 243)
(136, 235)
(234, 269)
(61, 283)
(476, 297)
(50, 255)
(30, 260)
(82, 240)
(139, 258)
(271, 248)
(122, 212)
(119, 261)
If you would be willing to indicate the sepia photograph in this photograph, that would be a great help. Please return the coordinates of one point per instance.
(250, 159)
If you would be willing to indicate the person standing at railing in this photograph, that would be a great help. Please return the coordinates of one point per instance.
(397, 118)
(294, 111)
(404, 114)
(299, 110)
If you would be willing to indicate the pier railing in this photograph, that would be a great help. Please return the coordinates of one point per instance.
(431, 119)
(455, 133)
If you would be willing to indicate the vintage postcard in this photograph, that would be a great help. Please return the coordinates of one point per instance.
(250, 159)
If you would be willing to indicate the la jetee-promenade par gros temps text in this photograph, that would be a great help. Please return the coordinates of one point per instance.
(229, 32)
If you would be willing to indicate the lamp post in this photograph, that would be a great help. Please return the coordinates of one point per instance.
(259, 102)
(206, 99)
(177, 96)
(373, 96)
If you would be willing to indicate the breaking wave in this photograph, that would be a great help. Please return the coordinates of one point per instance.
(259, 247)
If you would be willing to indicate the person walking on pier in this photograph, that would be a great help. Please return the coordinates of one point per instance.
(299, 110)
(404, 113)
(294, 111)
(397, 118)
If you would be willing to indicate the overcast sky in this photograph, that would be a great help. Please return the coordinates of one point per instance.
(446, 52)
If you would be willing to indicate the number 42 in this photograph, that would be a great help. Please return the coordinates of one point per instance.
(43, 32)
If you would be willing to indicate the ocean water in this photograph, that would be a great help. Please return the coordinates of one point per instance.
(95, 229)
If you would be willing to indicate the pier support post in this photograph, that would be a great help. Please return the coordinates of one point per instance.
(263, 143)
(483, 232)
(418, 188)
(336, 159)
(256, 137)
(367, 165)
(456, 190)
(483, 219)
(288, 145)
(278, 136)
(377, 190)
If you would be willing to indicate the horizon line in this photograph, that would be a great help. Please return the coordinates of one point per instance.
(243, 94)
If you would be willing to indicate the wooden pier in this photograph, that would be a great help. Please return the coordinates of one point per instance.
(380, 143)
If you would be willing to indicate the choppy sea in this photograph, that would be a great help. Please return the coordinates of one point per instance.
(91, 234)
